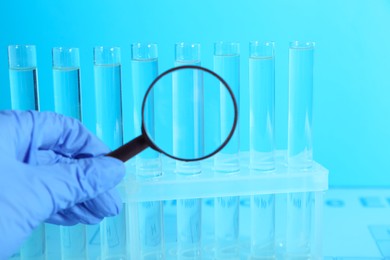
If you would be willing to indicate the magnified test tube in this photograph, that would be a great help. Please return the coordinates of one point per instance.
(300, 205)
(107, 71)
(23, 77)
(227, 65)
(22, 60)
(188, 210)
(187, 87)
(144, 68)
(66, 83)
(262, 148)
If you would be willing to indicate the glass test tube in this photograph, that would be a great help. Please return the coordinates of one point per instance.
(22, 60)
(262, 144)
(53, 241)
(187, 86)
(262, 105)
(300, 205)
(107, 72)
(300, 154)
(227, 65)
(66, 83)
(144, 68)
(227, 161)
(34, 247)
(23, 77)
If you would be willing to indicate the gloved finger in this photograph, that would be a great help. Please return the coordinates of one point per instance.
(107, 204)
(48, 157)
(65, 185)
(49, 131)
(69, 218)
(89, 212)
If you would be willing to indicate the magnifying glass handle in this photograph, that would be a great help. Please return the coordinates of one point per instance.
(130, 149)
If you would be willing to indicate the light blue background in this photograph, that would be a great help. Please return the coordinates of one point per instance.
(352, 60)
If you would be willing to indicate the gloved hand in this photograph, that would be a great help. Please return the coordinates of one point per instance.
(52, 169)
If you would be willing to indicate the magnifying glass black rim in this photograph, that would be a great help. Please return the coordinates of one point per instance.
(156, 147)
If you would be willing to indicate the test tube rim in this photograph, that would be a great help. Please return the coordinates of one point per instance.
(144, 43)
(234, 44)
(148, 45)
(112, 49)
(192, 44)
(265, 43)
(67, 50)
(268, 44)
(302, 45)
(185, 44)
(17, 65)
(16, 46)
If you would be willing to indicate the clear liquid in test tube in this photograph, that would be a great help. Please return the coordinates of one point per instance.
(107, 73)
(262, 105)
(144, 68)
(227, 65)
(23, 75)
(189, 211)
(262, 144)
(300, 152)
(66, 83)
(300, 205)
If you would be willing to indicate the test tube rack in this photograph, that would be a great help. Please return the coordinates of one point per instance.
(169, 187)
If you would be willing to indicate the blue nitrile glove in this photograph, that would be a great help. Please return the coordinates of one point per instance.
(52, 169)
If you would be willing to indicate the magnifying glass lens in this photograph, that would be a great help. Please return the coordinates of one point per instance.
(189, 113)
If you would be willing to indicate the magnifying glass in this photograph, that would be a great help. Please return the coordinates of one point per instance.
(181, 116)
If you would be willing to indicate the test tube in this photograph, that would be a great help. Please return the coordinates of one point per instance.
(227, 65)
(300, 204)
(66, 83)
(300, 154)
(53, 244)
(144, 68)
(262, 105)
(22, 60)
(23, 77)
(34, 247)
(107, 72)
(262, 144)
(187, 87)
(189, 211)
